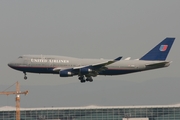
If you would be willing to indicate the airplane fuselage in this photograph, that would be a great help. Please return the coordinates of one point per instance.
(49, 63)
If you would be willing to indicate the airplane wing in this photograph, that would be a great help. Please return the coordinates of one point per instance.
(97, 65)
(90, 70)
(58, 69)
(102, 64)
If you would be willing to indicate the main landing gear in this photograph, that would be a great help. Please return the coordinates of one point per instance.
(25, 77)
(83, 80)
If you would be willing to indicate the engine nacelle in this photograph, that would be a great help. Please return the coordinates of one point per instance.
(65, 73)
(85, 70)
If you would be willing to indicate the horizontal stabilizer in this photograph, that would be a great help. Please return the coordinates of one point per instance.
(159, 64)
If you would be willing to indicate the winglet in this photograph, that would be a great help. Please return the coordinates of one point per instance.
(117, 59)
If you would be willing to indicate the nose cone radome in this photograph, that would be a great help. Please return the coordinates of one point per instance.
(10, 64)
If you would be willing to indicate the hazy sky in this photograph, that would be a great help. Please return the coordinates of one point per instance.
(90, 29)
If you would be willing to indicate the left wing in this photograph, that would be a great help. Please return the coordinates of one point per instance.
(102, 64)
(91, 70)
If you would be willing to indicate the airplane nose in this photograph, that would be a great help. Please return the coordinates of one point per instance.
(14, 63)
(10, 64)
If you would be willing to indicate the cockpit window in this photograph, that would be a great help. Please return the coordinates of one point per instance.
(20, 57)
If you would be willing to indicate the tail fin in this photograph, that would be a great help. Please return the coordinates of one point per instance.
(160, 51)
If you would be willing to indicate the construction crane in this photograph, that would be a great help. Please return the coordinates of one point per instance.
(17, 93)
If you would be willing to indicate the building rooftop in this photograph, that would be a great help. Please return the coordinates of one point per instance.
(10, 108)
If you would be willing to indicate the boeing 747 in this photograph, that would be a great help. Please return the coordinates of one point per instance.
(85, 69)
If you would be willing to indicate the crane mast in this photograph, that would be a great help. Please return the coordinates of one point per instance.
(17, 93)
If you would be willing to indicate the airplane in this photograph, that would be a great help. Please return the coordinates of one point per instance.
(85, 69)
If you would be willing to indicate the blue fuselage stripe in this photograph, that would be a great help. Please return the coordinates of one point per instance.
(50, 70)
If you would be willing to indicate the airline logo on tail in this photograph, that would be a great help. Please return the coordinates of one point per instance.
(163, 47)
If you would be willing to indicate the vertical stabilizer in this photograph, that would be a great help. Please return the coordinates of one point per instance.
(160, 51)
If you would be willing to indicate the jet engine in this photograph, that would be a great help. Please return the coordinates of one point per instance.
(66, 73)
(85, 70)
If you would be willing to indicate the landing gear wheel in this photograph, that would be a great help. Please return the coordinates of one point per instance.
(89, 79)
(25, 77)
(82, 79)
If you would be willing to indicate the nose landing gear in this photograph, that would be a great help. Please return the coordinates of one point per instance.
(25, 77)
